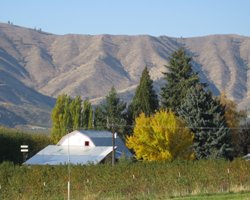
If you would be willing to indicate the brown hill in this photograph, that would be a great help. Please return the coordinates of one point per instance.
(36, 65)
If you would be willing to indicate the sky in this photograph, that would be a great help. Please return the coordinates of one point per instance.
(175, 18)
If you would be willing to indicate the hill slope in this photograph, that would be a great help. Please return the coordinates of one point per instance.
(36, 67)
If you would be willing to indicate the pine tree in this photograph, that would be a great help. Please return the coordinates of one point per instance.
(100, 121)
(112, 113)
(205, 117)
(145, 99)
(179, 78)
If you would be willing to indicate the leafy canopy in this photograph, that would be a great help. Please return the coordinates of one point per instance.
(162, 136)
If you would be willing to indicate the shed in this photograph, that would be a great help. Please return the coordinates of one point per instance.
(80, 147)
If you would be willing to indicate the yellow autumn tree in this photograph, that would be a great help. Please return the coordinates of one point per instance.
(162, 136)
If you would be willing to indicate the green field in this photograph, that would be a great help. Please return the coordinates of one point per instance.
(128, 180)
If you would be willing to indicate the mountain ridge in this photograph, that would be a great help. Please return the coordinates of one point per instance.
(89, 65)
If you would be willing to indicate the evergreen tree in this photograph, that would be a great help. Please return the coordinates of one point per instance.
(76, 112)
(205, 117)
(100, 121)
(145, 99)
(179, 78)
(112, 113)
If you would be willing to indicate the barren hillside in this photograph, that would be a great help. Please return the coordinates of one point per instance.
(36, 67)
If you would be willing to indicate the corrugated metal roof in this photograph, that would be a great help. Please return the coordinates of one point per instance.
(104, 138)
(55, 155)
(97, 134)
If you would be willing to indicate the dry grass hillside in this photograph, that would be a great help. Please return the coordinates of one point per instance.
(36, 67)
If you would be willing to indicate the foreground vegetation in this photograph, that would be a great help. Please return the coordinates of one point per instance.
(126, 180)
(11, 139)
(221, 196)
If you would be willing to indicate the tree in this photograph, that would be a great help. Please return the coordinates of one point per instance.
(244, 138)
(111, 114)
(90, 122)
(179, 78)
(100, 121)
(76, 112)
(233, 118)
(162, 136)
(61, 118)
(145, 99)
(206, 118)
(87, 114)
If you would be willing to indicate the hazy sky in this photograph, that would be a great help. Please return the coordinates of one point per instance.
(176, 18)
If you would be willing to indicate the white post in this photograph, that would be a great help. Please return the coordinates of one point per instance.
(68, 190)
(68, 170)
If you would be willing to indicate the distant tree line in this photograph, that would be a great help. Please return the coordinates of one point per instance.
(188, 121)
(11, 140)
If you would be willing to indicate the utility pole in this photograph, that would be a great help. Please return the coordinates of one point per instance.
(113, 145)
(113, 139)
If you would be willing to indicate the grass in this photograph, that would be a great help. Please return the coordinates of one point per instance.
(221, 196)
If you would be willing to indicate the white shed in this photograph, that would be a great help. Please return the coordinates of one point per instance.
(80, 147)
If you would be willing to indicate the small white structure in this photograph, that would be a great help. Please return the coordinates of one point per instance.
(80, 147)
(247, 157)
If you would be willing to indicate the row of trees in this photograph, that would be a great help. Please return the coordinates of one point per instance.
(183, 100)
(70, 114)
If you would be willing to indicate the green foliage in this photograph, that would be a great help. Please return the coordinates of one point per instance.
(112, 114)
(90, 121)
(69, 114)
(76, 112)
(179, 78)
(161, 137)
(10, 141)
(141, 180)
(87, 114)
(100, 121)
(244, 138)
(145, 99)
(206, 118)
(61, 118)
(234, 119)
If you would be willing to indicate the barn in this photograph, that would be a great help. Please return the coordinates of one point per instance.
(81, 147)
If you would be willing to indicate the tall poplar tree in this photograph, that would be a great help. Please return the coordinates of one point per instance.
(61, 118)
(86, 114)
(205, 117)
(76, 112)
(90, 121)
(145, 99)
(179, 78)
